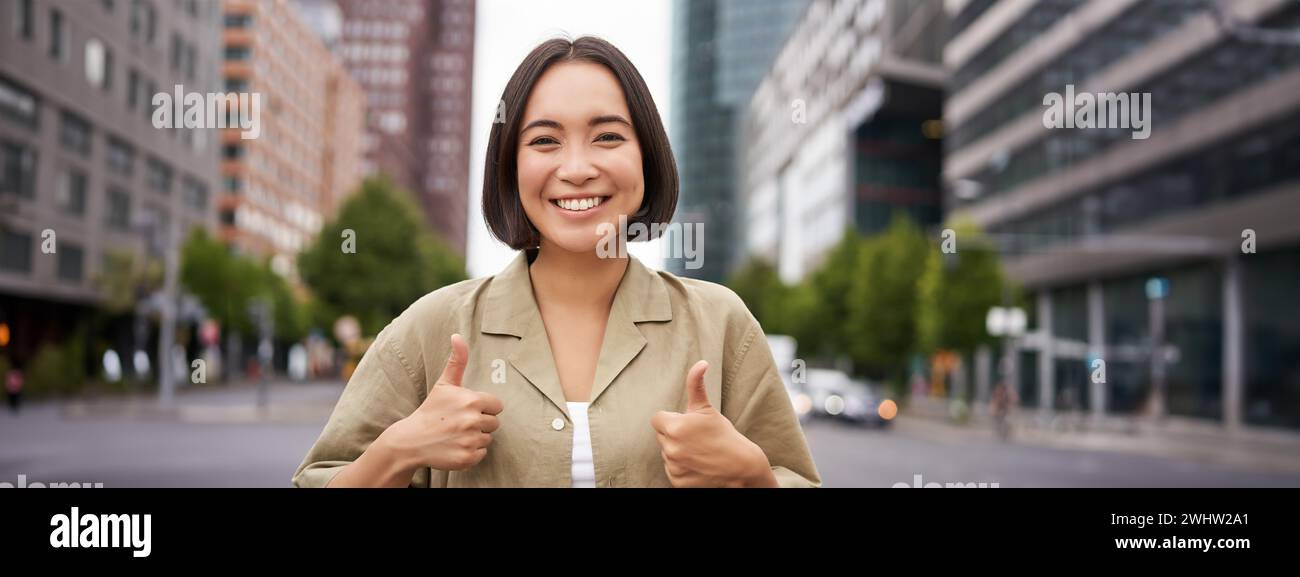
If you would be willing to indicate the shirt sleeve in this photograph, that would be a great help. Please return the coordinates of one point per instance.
(382, 390)
(755, 400)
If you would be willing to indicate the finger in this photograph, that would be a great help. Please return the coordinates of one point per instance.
(697, 398)
(488, 423)
(676, 470)
(660, 421)
(454, 370)
(490, 404)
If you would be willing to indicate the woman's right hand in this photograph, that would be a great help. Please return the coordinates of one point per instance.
(452, 428)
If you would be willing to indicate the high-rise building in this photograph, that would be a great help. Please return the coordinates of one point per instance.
(415, 61)
(84, 173)
(844, 131)
(1169, 260)
(280, 187)
(721, 49)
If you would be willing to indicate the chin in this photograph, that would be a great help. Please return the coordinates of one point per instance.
(580, 239)
(574, 241)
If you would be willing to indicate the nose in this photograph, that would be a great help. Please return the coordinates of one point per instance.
(576, 167)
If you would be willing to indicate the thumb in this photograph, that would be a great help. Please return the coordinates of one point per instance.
(697, 398)
(454, 370)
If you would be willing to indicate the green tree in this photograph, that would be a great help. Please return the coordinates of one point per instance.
(396, 258)
(224, 282)
(758, 284)
(125, 279)
(820, 305)
(957, 291)
(882, 299)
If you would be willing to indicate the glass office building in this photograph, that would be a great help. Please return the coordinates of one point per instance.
(1088, 218)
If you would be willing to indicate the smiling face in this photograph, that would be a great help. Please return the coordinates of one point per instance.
(579, 161)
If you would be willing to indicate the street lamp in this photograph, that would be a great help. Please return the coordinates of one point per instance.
(1006, 322)
(158, 236)
(1157, 289)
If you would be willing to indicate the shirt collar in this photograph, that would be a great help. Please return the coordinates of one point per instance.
(511, 308)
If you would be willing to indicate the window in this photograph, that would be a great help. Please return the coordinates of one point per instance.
(195, 194)
(17, 170)
(108, 70)
(148, 101)
(75, 134)
(72, 192)
(97, 63)
(237, 53)
(15, 251)
(232, 152)
(159, 176)
(25, 19)
(134, 86)
(71, 258)
(191, 60)
(178, 52)
(121, 157)
(234, 185)
(18, 104)
(143, 20)
(118, 215)
(239, 20)
(58, 36)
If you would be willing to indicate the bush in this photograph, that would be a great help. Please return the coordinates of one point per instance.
(57, 370)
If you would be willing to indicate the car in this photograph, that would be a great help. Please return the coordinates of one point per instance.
(835, 395)
(783, 351)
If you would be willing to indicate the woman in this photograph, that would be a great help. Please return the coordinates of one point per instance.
(574, 366)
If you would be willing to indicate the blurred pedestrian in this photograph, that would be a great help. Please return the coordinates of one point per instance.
(1004, 399)
(14, 389)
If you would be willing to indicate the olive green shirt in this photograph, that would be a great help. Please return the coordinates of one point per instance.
(659, 325)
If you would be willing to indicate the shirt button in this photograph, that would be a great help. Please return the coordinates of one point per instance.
(557, 424)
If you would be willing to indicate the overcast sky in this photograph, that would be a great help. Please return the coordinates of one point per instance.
(506, 31)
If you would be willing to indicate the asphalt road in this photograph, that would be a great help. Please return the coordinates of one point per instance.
(219, 440)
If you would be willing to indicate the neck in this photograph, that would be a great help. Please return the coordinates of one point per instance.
(575, 279)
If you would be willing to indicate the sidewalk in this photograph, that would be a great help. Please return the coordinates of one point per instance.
(1251, 448)
(236, 403)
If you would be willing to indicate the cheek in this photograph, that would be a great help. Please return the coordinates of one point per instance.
(626, 171)
(532, 169)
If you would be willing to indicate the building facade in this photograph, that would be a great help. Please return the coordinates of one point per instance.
(83, 170)
(721, 49)
(280, 187)
(414, 60)
(843, 132)
(1172, 261)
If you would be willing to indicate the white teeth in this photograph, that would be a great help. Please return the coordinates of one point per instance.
(579, 205)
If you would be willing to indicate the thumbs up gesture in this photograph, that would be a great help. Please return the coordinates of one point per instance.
(701, 448)
(452, 428)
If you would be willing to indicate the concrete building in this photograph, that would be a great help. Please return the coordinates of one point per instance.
(81, 163)
(1174, 260)
(843, 131)
(721, 49)
(414, 60)
(279, 188)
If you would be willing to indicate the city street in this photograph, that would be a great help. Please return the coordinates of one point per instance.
(218, 438)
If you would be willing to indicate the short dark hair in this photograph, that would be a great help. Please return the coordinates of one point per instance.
(502, 210)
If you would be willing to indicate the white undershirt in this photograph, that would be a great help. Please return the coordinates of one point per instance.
(584, 469)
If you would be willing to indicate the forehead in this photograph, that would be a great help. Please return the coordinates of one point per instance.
(575, 91)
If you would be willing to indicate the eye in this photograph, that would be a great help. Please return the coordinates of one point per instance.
(543, 141)
(614, 137)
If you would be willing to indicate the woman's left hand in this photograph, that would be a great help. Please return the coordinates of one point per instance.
(701, 448)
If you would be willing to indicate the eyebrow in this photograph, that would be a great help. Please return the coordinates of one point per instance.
(602, 119)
